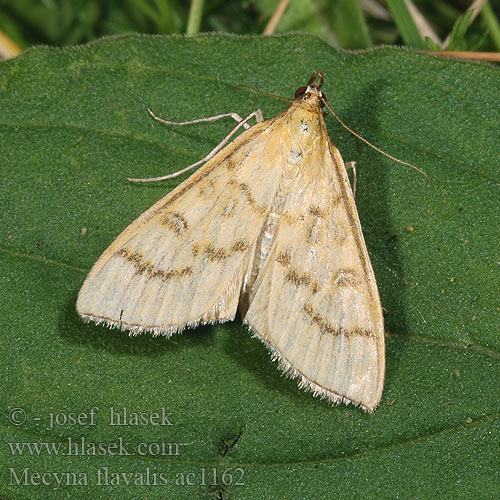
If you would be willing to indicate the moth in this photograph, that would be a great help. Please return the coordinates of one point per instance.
(267, 225)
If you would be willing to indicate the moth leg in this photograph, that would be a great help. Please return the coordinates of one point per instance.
(259, 117)
(241, 123)
(348, 165)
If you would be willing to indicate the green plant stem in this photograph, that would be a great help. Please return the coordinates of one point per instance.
(405, 23)
(491, 21)
(194, 19)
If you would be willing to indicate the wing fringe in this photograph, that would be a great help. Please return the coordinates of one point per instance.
(303, 382)
(166, 331)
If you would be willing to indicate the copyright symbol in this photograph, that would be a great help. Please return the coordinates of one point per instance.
(17, 416)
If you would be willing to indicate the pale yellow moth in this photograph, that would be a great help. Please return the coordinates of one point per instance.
(268, 224)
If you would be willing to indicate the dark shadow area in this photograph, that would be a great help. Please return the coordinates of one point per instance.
(253, 356)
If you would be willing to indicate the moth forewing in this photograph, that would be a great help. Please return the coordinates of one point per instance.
(269, 224)
(182, 262)
(315, 302)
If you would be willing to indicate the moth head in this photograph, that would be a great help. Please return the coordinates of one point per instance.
(313, 86)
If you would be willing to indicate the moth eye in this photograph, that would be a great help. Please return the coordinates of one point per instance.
(323, 100)
(300, 92)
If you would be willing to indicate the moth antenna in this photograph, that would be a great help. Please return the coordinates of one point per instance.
(256, 91)
(355, 134)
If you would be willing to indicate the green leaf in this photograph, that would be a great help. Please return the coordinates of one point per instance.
(348, 23)
(73, 126)
(431, 45)
(459, 30)
(405, 23)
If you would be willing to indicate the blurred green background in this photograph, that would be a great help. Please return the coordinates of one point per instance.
(349, 24)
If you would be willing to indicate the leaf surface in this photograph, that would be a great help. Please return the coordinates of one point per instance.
(73, 126)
